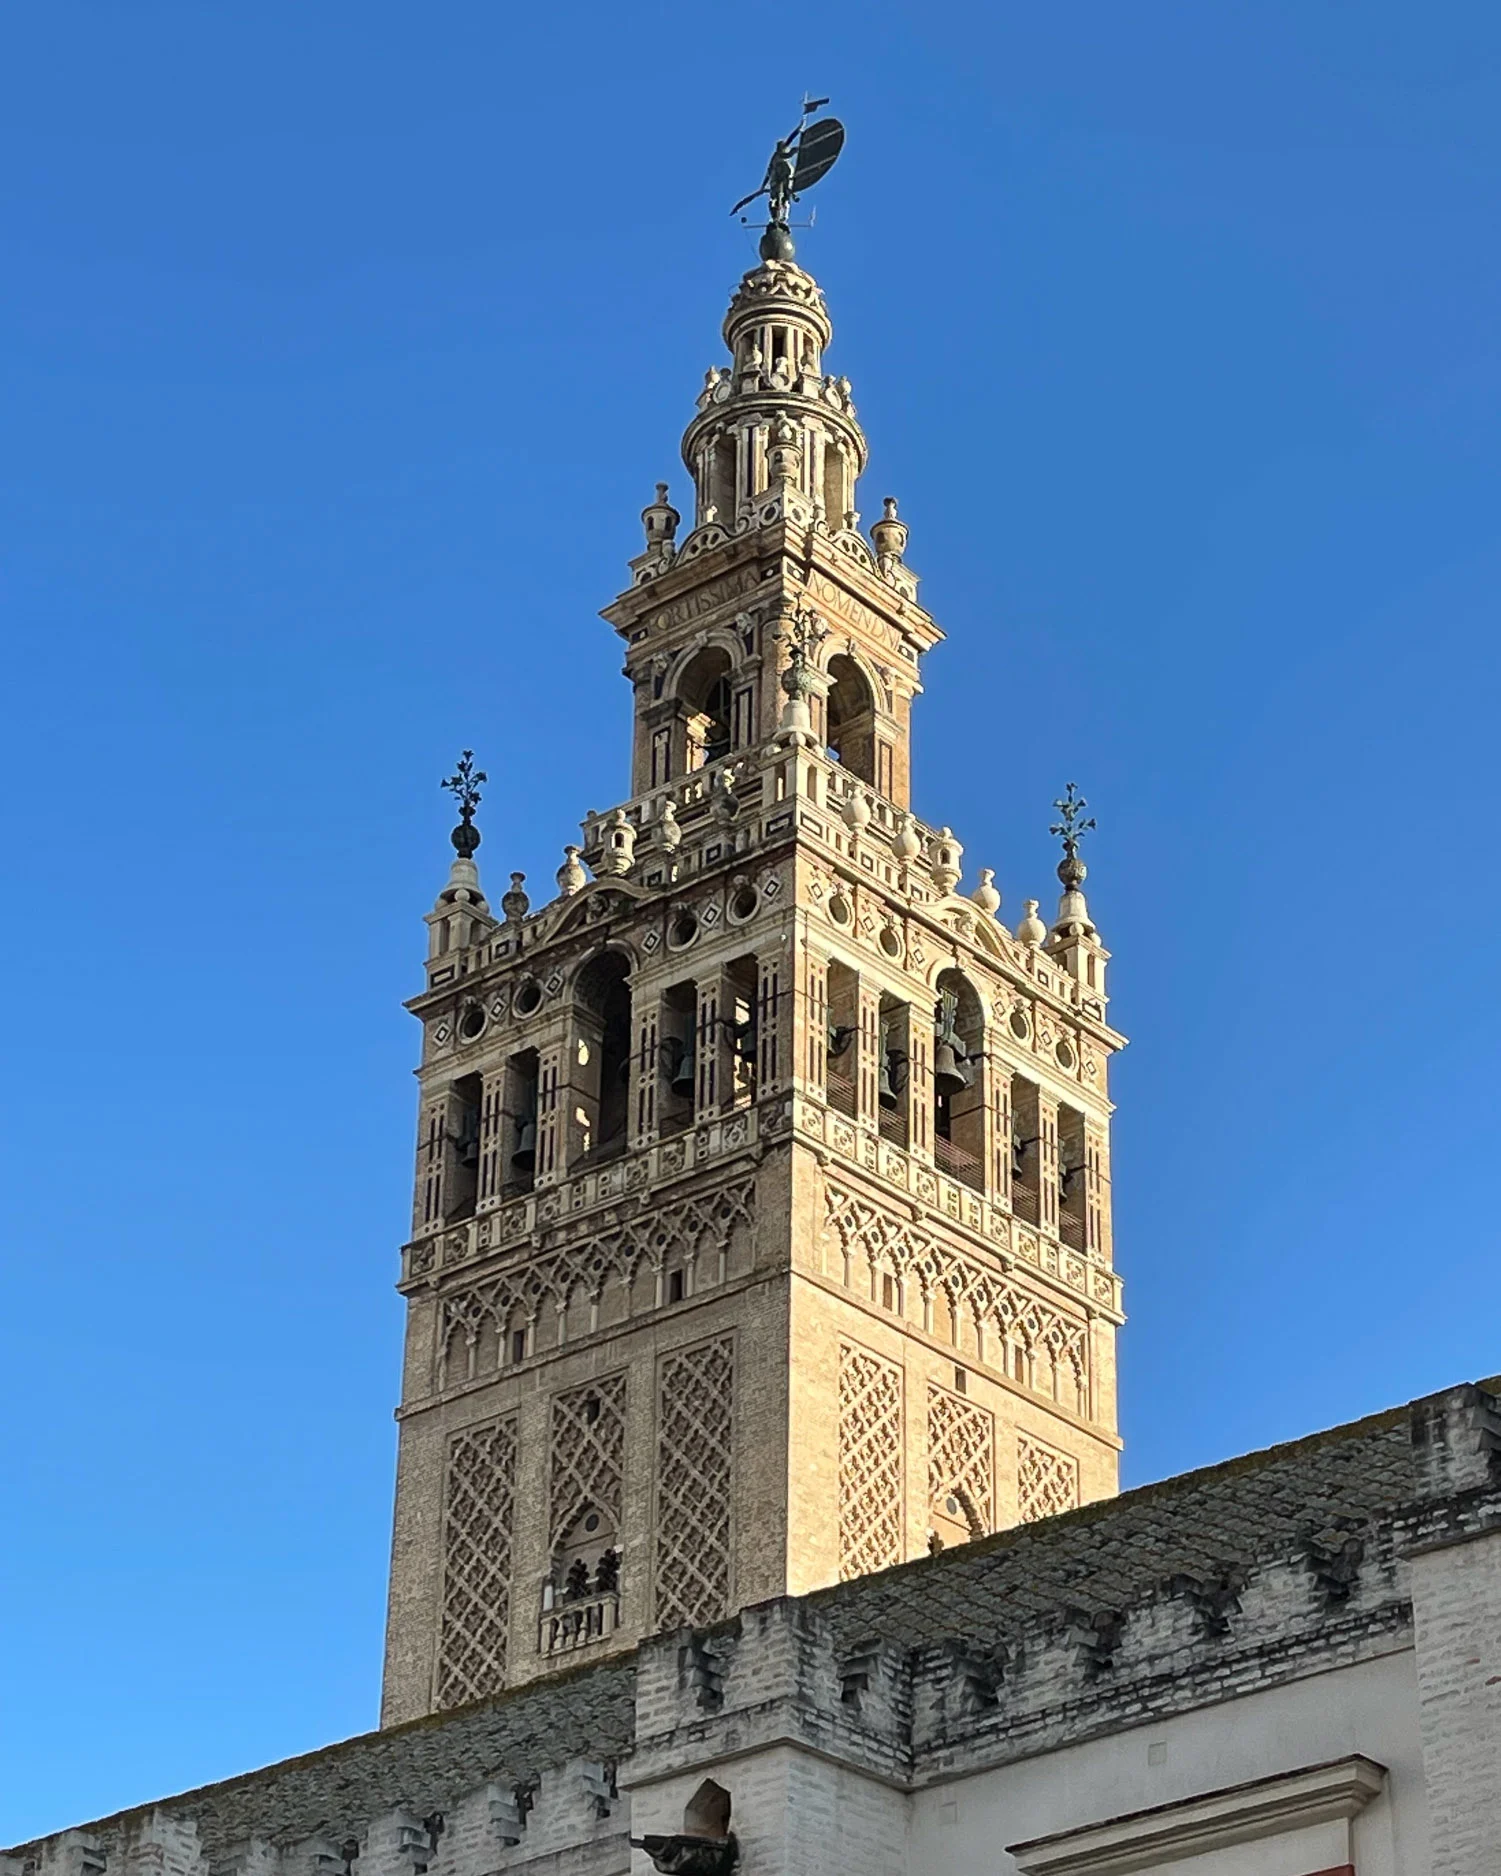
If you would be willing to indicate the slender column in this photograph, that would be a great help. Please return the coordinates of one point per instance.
(993, 1095)
(645, 1073)
(770, 1055)
(815, 1038)
(428, 1209)
(1047, 1162)
(1097, 1192)
(711, 1054)
(492, 1136)
(868, 1057)
(551, 1094)
(919, 1090)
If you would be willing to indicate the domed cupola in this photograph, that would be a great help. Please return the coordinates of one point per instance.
(773, 431)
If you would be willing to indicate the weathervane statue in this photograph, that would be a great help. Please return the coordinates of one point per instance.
(807, 153)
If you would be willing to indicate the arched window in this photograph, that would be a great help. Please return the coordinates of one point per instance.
(851, 711)
(705, 701)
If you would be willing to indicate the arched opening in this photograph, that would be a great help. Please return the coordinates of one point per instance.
(581, 1596)
(841, 1051)
(851, 709)
(602, 1059)
(959, 1080)
(705, 702)
(720, 494)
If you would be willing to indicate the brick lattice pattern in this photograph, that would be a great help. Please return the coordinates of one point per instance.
(870, 1462)
(1046, 1482)
(478, 1520)
(587, 1463)
(961, 1447)
(694, 1429)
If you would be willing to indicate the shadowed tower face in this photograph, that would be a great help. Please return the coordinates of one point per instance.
(762, 1221)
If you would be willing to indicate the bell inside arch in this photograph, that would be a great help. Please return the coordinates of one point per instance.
(681, 1065)
(951, 1068)
(524, 1159)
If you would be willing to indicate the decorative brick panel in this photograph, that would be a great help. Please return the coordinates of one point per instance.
(478, 1521)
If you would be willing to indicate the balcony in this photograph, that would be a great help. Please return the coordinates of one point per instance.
(571, 1625)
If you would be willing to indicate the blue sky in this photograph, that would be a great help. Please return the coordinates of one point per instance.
(342, 346)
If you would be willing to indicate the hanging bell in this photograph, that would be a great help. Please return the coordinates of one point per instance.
(886, 1083)
(524, 1159)
(951, 1073)
(681, 1075)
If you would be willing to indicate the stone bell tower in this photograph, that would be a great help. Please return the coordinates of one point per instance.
(762, 1221)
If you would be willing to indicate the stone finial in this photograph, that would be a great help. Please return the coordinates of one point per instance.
(1031, 930)
(906, 842)
(571, 875)
(944, 859)
(723, 799)
(985, 895)
(669, 833)
(889, 535)
(515, 903)
(855, 811)
(620, 845)
(660, 520)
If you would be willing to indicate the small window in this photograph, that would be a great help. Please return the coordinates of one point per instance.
(518, 1345)
(961, 1381)
(675, 1286)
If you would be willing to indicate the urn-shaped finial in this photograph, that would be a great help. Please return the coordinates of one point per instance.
(571, 875)
(1031, 930)
(514, 902)
(906, 842)
(985, 895)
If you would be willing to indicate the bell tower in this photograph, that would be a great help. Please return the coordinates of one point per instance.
(762, 1223)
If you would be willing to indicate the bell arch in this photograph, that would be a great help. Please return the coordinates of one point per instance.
(850, 720)
(959, 1078)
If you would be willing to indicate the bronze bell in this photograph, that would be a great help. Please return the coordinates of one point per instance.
(682, 1074)
(951, 1073)
(524, 1159)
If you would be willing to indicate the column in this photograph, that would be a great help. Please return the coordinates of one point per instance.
(1047, 1162)
(1097, 1191)
(645, 1072)
(492, 1138)
(551, 1094)
(769, 1045)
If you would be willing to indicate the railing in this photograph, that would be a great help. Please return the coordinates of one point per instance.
(570, 1625)
(892, 1123)
(840, 1090)
(1071, 1230)
(959, 1163)
(1025, 1202)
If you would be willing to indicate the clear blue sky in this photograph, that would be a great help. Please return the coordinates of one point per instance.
(340, 348)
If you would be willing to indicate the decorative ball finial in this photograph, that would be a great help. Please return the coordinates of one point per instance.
(1070, 828)
(463, 785)
(515, 903)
